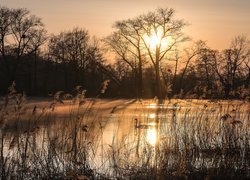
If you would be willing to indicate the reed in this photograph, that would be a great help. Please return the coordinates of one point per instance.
(66, 138)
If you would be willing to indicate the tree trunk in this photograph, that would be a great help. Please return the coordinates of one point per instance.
(248, 79)
(158, 82)
(209, 86)
(65, 76)
(35, 74)
(140, 80)
(183, 74)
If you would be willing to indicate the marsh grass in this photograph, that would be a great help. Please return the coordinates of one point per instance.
(203, 140)
(71, 137)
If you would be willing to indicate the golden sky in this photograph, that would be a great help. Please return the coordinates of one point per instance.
(216, 21)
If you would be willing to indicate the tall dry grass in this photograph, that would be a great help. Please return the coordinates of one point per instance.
(72, 137)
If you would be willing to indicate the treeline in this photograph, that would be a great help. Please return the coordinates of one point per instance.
(144, 65)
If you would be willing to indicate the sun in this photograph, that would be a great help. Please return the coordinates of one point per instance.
(155, 39)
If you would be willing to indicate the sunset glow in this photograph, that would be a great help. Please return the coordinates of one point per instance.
(124, 89)
(156, 40)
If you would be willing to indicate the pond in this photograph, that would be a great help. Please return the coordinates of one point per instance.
(127, 139)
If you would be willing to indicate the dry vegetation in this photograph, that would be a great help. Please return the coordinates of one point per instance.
(71, 137)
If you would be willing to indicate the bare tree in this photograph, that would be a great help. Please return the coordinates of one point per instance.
(127, 44)
(247, 67)
(169, 71)
(80, 58)
(190, 54)
(70, 49)
(21, 34)
(152, 36)
(160, 33)
(230, 64)
(5, 31)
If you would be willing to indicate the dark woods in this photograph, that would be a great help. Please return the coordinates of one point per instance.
(40, 63)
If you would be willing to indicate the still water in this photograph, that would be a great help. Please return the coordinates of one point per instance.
(107, 135)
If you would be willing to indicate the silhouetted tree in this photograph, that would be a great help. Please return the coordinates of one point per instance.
(158, 29)
(190, 54)
(70, 49)
(247, 67)
(127, 44)
(21, 34)
(230, 64)
(149, 59)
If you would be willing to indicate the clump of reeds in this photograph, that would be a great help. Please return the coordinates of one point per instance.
(194, 139)
(205, 140)
(30, 149)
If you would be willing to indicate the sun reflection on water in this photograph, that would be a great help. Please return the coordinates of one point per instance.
(151, 136)
(152, 116)
(152, 106)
